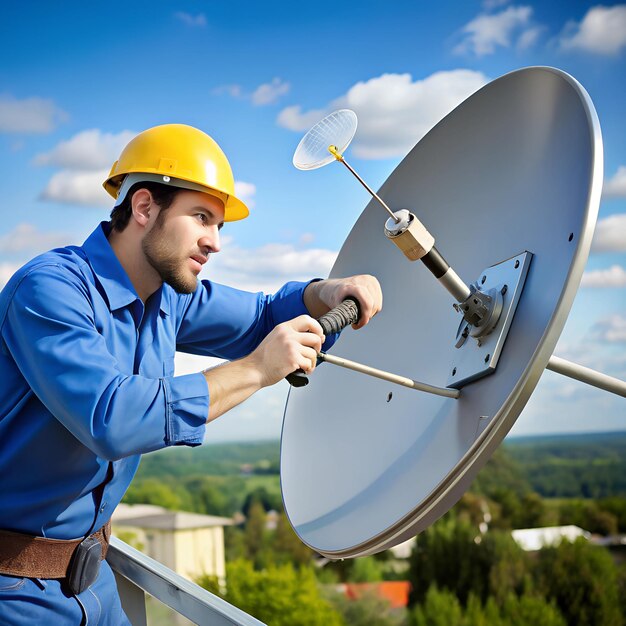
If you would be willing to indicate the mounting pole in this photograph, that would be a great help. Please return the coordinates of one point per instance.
(587, 375)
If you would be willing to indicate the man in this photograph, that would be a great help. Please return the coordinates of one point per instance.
(87, 342)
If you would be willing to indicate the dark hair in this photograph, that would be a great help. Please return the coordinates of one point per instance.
(163, 195)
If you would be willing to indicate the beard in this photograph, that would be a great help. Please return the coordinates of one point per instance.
(170, 265)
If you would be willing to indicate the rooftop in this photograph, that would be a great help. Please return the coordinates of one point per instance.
(149, 516)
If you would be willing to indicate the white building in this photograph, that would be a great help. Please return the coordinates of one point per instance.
(530, 539)
(188, 543)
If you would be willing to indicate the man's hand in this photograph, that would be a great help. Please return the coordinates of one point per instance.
(321, 296)
(290, 346)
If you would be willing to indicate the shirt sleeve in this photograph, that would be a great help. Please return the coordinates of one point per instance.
(50, 331)
(217, 320)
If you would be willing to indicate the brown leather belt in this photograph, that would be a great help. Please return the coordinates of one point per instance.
(39, 557)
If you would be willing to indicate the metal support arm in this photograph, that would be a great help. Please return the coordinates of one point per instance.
(587, 375)
(389, 377)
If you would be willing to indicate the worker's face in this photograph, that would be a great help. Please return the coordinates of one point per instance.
(182, 238)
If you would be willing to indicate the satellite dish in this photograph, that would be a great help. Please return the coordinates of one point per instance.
(509, 183)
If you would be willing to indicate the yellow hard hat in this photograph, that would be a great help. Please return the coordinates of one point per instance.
(180, 154)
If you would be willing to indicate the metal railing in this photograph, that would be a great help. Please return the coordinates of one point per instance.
(137, 575)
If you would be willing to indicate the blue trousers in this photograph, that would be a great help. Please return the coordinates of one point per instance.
(28, 601)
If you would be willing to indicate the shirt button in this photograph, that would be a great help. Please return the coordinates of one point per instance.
(104, 506)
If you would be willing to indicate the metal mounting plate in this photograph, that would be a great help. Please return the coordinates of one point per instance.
(478, 358)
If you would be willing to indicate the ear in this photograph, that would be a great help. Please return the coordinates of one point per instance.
(141, 204)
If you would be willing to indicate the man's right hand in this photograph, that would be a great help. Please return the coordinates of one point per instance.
(290, 346)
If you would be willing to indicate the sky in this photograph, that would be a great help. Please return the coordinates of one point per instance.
(78, 80)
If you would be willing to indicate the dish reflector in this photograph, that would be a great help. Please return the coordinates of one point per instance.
(336, 129)
(516, 167)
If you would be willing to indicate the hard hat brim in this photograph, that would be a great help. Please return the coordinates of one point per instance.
(234, 208)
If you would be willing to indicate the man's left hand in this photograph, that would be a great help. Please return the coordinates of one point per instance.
(321, 296)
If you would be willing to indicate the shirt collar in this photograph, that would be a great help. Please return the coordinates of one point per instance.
(111, 275)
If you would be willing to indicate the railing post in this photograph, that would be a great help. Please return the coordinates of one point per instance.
(133, 600)
(144, 574)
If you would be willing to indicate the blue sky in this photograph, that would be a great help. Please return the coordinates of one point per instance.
(78, 79)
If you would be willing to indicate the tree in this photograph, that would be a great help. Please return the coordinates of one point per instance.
(455, 556)
(501, 473)
(589, 516)
(617, 506)
(476, 509)
(366, 569)
(582, 579)
(279, 595)
(509, 507)
(270, 501)
(508, 566)
(531, 513)
(287, 546)
(528, 610)
(447, 555)
(210, 583)
(207, 497)
(478, 615)
(621, 586)
(255, 533)
(153, 491)
(440, 608)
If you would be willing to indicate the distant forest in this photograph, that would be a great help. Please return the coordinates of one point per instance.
(572, 466)
(221, 479)
(558, 466)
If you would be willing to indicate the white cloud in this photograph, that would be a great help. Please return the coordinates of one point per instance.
(86, 159)
(6, 271)
(191, 20)
(28, 238)
(494, 4)
(615, 187)
(610, 234)
(88, 150)
(245, 192)
(394, 111)
(268, 267)
(529, 37)
(611, 329)
(78, 187)
(269, 93)
(30, 115)
(293, 118)
(613, 277)
(232, 90)
(486, 32)
(601, 31)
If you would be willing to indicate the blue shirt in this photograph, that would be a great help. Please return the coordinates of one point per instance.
(87, 385)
